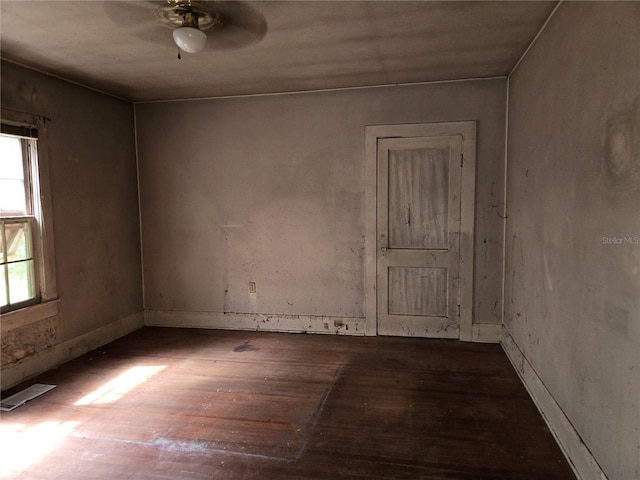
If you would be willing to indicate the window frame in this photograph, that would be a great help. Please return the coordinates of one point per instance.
(32, 222)
(40, 209)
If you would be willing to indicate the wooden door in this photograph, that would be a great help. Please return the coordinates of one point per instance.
(418, 235)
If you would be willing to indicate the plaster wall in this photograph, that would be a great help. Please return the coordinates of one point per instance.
(270, 190)
(91, 151)
(572, 277)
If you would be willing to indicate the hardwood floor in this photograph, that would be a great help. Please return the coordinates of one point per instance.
(205, 404)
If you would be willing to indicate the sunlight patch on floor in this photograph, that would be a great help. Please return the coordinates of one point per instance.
(22, 446)
(118, 387)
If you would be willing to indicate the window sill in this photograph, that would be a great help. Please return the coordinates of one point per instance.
(29, 315)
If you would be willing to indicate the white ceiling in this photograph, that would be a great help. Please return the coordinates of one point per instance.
(119, 48)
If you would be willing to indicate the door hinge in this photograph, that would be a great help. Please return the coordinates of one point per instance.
(458, 311)
(462, 159)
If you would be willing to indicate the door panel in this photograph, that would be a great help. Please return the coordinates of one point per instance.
(407, 288)
(418, 235)
(418, 198)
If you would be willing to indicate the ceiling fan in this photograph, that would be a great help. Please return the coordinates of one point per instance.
(189, 20)
(196, 25)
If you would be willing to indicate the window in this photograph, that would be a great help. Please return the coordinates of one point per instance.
(26, 268)
(18, 285)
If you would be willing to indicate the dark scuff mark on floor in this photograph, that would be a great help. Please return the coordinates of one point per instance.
(246, 347)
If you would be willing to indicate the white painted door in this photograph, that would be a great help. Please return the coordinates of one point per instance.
(418, 235)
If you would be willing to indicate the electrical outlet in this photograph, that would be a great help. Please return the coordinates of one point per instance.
(252, 287)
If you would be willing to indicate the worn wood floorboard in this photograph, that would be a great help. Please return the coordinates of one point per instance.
(204, 404)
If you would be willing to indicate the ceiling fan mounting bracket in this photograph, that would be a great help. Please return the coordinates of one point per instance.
(187, 13)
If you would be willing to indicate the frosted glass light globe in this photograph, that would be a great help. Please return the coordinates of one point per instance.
(189, 39)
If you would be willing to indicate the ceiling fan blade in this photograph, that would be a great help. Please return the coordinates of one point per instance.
(242, 25)
(138, 20)
(130, 14)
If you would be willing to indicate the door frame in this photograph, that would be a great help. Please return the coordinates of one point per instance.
(373, 133)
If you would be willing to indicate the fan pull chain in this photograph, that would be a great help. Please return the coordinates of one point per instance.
(179, 55)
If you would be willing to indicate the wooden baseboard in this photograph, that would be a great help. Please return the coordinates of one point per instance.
(15, 373)
(577, 453)
(256, 321)
(486, 333)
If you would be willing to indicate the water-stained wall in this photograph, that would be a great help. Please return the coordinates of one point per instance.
(91, 152)
(572, 298)
(256, 205)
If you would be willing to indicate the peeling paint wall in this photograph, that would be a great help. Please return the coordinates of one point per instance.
(24, 341)
(256, 205)
(91, 151)
(572, 297)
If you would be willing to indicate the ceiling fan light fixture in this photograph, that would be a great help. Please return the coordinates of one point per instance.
(189, 39)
